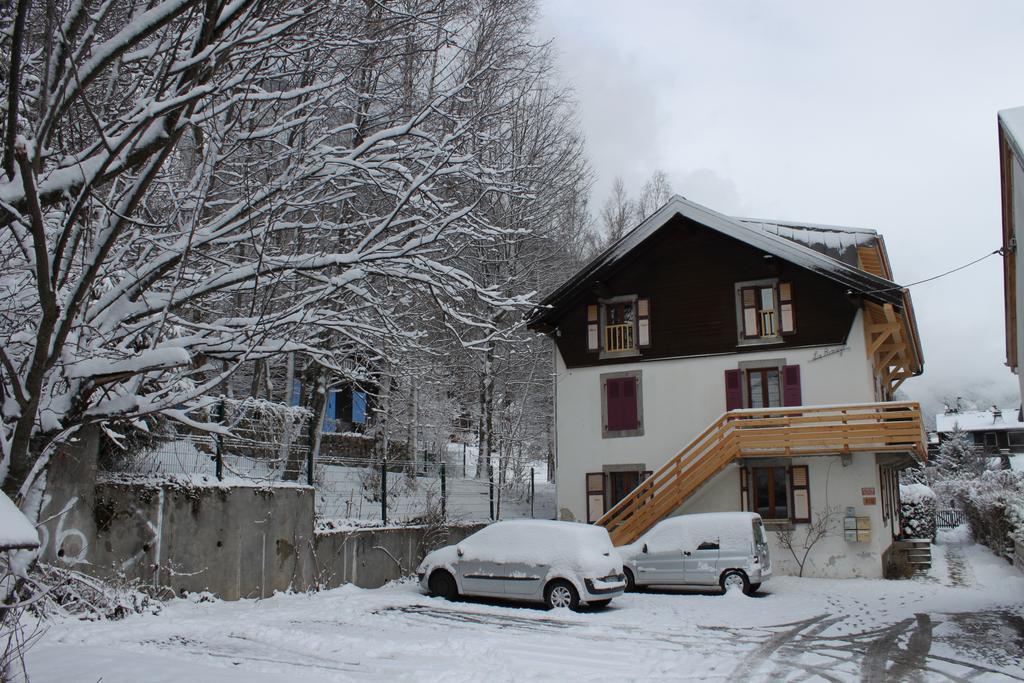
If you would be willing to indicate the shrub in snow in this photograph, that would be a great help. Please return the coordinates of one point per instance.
(917, 511)
(994, 506)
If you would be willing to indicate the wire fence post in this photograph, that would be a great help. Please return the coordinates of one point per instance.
(490, 485)
(384, 491)
(463, 459)
(444, 502)
(218, 442)
(531, 493)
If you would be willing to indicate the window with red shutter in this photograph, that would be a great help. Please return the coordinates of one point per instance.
(733, 390)
(791, 386)
(622, 404)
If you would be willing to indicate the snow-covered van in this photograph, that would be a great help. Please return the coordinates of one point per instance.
(562, 564)
(727, 549)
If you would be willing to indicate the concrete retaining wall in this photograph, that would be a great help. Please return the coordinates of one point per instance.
(237, 542)
(369, 558)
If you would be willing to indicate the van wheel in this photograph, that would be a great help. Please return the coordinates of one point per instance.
(754, 587)
(561, 594)
(599, 604)
(443, 584)
(630, 581)
(733, 579)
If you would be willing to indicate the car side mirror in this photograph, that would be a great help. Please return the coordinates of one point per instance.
(644, 549)
(459, 551)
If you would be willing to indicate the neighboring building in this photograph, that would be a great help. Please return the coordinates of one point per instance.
(693, 314)
(1011, 177)
(998, 431)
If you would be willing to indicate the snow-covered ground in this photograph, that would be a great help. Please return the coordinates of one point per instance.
(965, 620)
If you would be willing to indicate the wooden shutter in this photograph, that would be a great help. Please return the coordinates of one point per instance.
(791, 385)
(621, 404)
(643, 322)
(787, 315)
(733, 390)
(744, 489)
(593, 336)
(595, 496)
(800, 486)
(748, 304)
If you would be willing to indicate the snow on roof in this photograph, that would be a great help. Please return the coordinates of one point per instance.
(980, 420)
(1012, 121)
(15, 529)
(791, 250)
(832, 240)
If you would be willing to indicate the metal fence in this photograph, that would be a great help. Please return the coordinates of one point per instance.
(420, 491)
(948, 518)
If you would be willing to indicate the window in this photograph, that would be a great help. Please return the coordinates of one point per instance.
(764, 388)
(771, 496)
(619, 326)
(763, 384)
(777, 492)
(1016, 439)
(765, 310)
(991, 440)
(621, 404)
(606, 489)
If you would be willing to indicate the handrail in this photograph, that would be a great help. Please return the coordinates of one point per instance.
(763, 432)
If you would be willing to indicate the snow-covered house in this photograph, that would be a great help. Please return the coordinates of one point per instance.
(709, 363)
(998, 431)
(1011, 177)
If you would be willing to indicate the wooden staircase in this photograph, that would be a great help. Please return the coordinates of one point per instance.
(767, 432)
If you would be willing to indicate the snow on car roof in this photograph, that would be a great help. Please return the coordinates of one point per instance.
(980, 420)
(582, 547)
(15, 529)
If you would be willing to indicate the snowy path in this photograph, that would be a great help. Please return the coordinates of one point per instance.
(798, 629)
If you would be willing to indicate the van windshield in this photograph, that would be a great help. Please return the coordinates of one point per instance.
(759, 536)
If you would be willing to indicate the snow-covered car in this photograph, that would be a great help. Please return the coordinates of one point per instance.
(727, 549)
(562, 564)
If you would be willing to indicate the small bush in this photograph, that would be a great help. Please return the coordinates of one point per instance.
(994, 505)
(917, 511)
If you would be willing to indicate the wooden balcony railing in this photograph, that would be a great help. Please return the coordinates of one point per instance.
(618, 338)
(767, 432)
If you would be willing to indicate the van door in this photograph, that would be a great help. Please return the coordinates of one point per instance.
(661, 565)
(482, 578)
(700, 564)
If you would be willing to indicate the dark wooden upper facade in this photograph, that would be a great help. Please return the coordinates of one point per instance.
(689, 273)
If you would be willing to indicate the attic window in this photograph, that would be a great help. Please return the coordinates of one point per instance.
(765, 310)
(619, 326)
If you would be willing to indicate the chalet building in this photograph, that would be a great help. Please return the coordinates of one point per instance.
(708, 363)
(1011, 177)
(998, 432)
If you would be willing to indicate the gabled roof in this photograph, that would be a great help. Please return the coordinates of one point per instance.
(758, 234)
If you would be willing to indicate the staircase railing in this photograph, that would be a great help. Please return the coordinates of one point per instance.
(766, 432)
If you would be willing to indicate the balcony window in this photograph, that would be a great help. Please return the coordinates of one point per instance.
(765, 310)
(620, 326)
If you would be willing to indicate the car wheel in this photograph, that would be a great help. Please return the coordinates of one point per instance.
(561, 595)
(630, 581)
(754, 587)
(732, 580)
(599, 604)
(443, 584)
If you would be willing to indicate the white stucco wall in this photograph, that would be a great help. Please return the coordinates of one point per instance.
(680, 399)
(831, 485)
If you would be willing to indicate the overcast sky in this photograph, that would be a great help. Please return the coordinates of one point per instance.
(877, 115)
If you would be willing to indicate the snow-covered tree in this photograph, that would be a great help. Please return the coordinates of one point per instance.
(958, 456)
